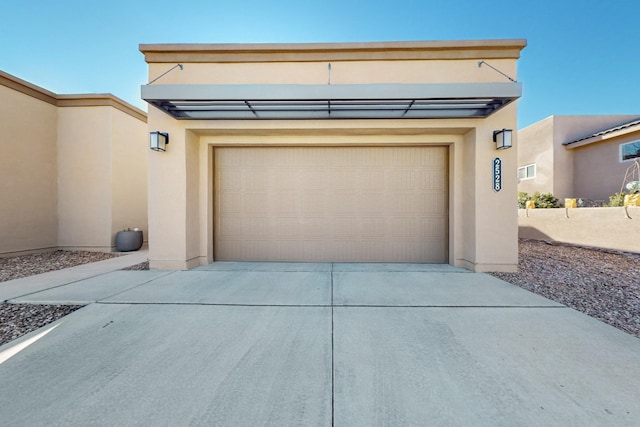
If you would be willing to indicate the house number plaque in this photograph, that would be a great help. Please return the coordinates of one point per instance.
(497, 174)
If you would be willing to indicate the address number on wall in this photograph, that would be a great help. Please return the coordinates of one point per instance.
(497, 174)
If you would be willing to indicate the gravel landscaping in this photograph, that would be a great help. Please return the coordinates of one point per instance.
(17, 320)
(29, 265)
(602, 284)
(141, 266)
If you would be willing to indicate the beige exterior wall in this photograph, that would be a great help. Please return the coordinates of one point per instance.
(609, 228)
(28, 171)
(102, 176)
(536, 148)
(129, 151)
(342, 72)
(542, 144)
(73, 169)
(482, 222)
(598, 171)
(84, 177)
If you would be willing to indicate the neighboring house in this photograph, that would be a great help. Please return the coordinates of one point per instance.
(345, 152)
(73, 169)
(582, 157)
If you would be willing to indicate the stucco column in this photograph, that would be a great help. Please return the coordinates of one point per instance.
(167, 184)
(496, 213)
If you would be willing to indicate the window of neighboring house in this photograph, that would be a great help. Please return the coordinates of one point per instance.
(527, 172)
(629, 151)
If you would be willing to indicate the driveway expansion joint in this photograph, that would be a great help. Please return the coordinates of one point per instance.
(57, 286)
(168, 273)
(213, 304)
(333, 376)
(327, 305)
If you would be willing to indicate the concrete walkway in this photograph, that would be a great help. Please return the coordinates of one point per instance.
(29, 285)
(320, 345)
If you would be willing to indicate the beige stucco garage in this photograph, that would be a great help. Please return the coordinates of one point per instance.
(347, 152)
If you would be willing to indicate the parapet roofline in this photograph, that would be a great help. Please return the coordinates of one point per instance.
(70, 100)
(365, 51)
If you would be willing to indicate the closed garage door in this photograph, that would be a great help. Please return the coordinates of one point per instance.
(341, 204)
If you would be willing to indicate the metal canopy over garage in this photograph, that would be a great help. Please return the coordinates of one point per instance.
(354, 101)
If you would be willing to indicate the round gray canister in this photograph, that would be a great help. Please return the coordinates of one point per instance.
(130, 240)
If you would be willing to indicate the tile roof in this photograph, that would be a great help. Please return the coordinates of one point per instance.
(606, 131)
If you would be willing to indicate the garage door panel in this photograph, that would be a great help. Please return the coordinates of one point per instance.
(372, 228)
(256, 179)
(433, 180)
(315, 178)
(313, 204)
(370, 180)
(285, 204)
(230, 203)
(314, 229)
(231, 179)
(386, 204)
(370, 205)
(230, 228)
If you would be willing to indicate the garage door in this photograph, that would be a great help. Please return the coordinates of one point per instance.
(340, 204)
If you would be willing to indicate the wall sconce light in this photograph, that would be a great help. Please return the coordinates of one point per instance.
(158, 141)
(502, 138)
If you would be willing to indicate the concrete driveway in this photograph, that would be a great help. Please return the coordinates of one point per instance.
(244, 344)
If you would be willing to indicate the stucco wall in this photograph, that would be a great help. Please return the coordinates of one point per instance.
(599, 170)
(482, 222)
(129, 150)
(102, 176)
(569, 128)
(84, 177)
(28, 170)
(342, 72)
(536, 147)
(599, 173)
(167, 195)
(609, 228)
(183, 192)
(72, 169)
(495, 212)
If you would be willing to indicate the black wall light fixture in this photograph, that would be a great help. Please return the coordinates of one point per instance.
(503, 138)
(158, 141)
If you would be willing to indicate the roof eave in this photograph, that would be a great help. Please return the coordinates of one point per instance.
(605, 136)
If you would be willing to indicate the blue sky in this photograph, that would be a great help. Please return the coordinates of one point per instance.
(583, 57)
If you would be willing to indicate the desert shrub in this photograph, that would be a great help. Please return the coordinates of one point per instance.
(522, 199)
(545, 200)
(616, 200)
(541, 200)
